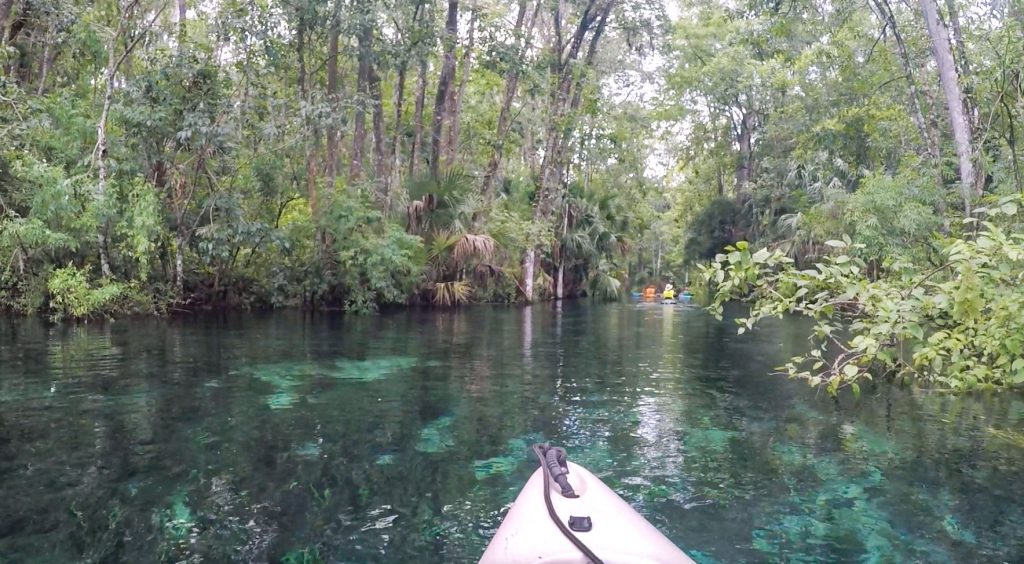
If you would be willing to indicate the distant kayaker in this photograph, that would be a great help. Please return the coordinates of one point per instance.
(669, 293)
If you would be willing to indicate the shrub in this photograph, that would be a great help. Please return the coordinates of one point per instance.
(73, 296)
(378, 262)
(959, 325)
(717, 225)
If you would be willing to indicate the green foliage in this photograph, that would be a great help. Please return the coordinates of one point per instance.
(718, 224)
(603, 284)
(894, 218)
(142, 227)
(377, 262)
(73, 296)
(958, 325)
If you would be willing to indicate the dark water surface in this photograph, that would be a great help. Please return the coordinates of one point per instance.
(402, 438)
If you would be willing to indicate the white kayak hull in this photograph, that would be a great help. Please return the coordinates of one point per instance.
(619, 535)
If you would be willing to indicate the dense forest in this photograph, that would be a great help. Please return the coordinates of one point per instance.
(339, 153)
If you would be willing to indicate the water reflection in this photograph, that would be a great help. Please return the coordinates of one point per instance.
(403, 438)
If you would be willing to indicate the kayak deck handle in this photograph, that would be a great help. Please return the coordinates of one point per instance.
(580, 524)
(552, 460)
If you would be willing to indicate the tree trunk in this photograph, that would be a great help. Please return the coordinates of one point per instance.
(970, 103)
(745, 141)
(560, 279)
(505, 113)
(961, 128)
(311, 173)
(396, 133)
(417, 118)
(182, 14)
(114, 62)
(529, 266)
(444, 82)
(49, 53)
(530, 151)
(566, 100)
(929, 137)
(963, 63)
(362, 93)
(560, 273)
(399, 101)
(304, 100)
(180, 241)
(5, 12)
(456, 102)
(331, 169)
(101, 165)
(380, 162)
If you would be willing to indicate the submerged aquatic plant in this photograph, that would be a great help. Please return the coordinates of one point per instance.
(308, 555)
(371, 369)
(517, 451)
(286, 377)
(179, 519)
(437, 436)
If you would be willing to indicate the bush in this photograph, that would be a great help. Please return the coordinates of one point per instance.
(893, 217)
(73, 296)
(378, 262)
(959, 325)
(717, 225)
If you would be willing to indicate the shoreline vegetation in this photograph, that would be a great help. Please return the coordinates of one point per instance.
(163, 156)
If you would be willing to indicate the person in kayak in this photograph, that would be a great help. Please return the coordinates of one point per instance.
(669, 293)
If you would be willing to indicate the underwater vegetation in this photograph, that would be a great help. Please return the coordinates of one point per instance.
(287, 377)
(437, 436)
(517, 451)
(177, 524)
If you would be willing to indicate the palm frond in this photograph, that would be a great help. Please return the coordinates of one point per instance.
(603, 286)
(469, 246)
(442, 243)
(449, 294)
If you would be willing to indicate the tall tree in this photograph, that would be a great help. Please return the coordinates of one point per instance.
(568, 81)
(928, 136)
(333, 83)
(441, 106)
(455, 98)
(364, 38)
(511, 86)
(971, 184)
(5, 12)
(116, 56)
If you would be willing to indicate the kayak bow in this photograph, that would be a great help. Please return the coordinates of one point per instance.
(566, 515)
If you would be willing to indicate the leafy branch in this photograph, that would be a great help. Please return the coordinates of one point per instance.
(958, 325)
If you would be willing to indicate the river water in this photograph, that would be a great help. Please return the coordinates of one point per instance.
(403, 438)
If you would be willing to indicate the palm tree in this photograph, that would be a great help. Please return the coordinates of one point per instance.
(588, 244)
(441, 211)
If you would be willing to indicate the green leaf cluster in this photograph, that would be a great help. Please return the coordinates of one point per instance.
(957, 325)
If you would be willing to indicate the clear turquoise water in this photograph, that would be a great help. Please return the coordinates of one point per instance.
(402, 438)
